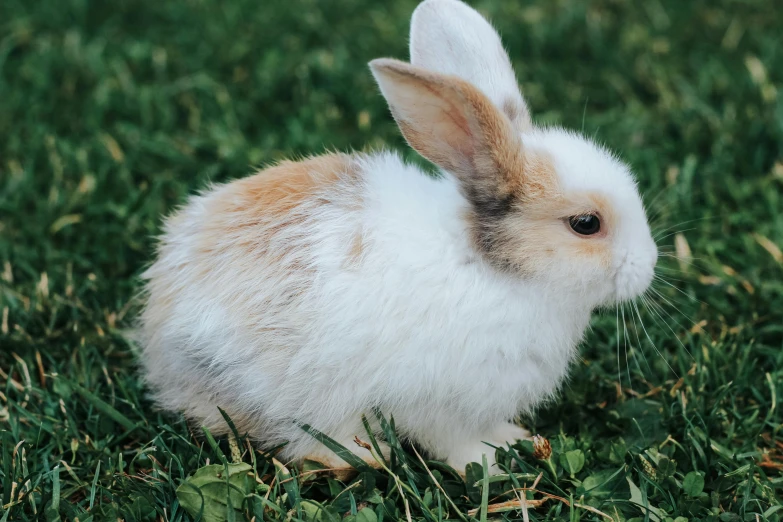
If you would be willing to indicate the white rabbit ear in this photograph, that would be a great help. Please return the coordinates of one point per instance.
(449, 37)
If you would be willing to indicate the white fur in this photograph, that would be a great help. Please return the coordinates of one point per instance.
(421, 327)
(449, 37)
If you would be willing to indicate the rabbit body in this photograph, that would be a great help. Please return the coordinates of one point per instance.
(315, 291)
(366, 293)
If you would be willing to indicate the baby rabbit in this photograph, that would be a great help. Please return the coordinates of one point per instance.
(315, 291)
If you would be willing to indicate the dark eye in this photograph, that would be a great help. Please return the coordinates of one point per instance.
(585, 225)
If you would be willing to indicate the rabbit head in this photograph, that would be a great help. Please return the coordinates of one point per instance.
(546, 204)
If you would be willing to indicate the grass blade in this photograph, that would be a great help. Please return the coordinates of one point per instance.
(484, 489)
(105, 408)
(94, 487)
(56, 489)
(341, 451)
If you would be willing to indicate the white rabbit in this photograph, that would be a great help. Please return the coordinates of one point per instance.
(314, 291)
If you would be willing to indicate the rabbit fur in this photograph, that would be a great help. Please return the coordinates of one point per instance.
(315, 291)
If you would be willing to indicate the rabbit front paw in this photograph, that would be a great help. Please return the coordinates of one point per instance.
(461, 455)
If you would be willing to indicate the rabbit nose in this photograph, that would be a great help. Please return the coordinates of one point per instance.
(634, 274)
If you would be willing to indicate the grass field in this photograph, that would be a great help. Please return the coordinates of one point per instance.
(111, 113)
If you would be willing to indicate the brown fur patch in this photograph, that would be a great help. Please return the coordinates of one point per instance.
(250, 212)
(498, 161)
(279, 189)
(539, 179)
(257, 222)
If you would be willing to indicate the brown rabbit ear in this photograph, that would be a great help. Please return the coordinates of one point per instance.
(454, 125)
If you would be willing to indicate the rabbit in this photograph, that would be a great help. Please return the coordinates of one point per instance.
(315, 291)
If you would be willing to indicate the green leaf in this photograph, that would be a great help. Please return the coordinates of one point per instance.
(474, 476)
(51, 514)
(374, 497)
(693, 484)
(210, 489)
(427, 498)
(291, 487)
(600, 485)
(572, 461)
(641, 501)
(309, 466)
(398, 455)
(617, 451)
(352, 500)
(311, 510)
(722, 450)
(366, 515)
(666, 468)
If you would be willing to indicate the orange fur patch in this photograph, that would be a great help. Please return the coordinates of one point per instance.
(257, 221)
(498, 159)
(279, 189)
(250, 212)
(539, 178)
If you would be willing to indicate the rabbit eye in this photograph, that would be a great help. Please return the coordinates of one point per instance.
(585, 225)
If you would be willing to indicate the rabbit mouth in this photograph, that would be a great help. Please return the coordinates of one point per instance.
(634, 275)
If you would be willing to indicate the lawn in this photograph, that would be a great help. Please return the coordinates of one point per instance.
(111, 113)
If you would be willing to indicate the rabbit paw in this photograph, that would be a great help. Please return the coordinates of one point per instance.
(459, 457)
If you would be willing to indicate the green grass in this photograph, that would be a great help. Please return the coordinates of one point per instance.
(111, 113)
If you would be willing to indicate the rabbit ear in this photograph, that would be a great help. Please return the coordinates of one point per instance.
(449, 37)
(454, 125)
